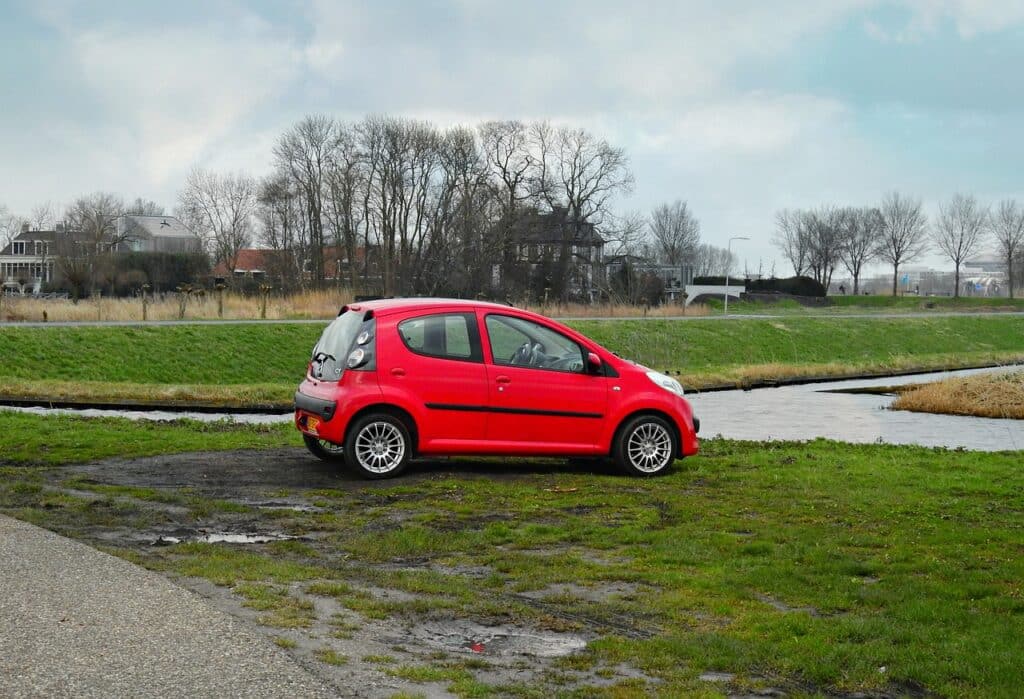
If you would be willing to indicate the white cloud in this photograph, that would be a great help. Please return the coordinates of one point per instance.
(178, 90)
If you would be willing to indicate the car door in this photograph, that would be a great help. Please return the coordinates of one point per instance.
(438, 366)
(542, 399)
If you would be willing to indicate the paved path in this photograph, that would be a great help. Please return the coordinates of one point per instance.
(75, 622)
(731, 316)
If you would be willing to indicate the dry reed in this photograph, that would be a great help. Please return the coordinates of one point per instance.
(322, 304)
(988, 395)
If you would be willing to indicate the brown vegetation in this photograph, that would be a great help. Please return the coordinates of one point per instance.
(304, 305)
(989, 395)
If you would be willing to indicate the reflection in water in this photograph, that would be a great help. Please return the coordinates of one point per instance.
(807, 412)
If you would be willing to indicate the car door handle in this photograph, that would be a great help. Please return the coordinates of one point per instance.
(398, 371)
(503, 379)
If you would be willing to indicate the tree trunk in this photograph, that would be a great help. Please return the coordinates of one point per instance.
(895, 278)
(1009, 273)
(956, 281)
(856, 285)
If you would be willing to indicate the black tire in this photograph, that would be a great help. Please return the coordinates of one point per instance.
(645, 445)
(324, 450)
(378, 446)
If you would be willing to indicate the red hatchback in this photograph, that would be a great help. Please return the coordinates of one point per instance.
(402, 377)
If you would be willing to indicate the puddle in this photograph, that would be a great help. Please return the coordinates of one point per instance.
(830, 411)
(475, 639)
(222, 538)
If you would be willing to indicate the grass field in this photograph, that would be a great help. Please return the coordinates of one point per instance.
(258, 363)
(839, 305)
(814, 569)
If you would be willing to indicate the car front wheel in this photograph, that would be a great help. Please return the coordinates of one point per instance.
(378, 446)
(645, 446)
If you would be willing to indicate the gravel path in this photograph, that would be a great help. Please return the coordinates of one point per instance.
(78, 622)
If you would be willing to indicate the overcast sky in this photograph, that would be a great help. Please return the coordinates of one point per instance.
(739, 108)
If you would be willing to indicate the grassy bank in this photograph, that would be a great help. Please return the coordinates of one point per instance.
(814, 569)
(997, 395)
(258, 363)
(840, 305)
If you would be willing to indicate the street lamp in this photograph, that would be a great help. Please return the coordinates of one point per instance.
(728, 264)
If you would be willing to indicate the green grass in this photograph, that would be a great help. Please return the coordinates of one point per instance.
(839, 304)
(802, 566)
(58, 439)
(252, 364)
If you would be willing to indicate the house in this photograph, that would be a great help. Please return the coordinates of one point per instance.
(282, 266)
(26, 263)
(156, 234)
(552, 249)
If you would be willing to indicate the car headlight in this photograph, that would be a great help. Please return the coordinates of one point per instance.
(666, 382)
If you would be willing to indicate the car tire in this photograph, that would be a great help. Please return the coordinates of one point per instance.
(324, 450)
(378, 446)
(645, 445)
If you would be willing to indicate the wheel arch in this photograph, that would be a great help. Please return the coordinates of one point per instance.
(390, 409)
(652, 412)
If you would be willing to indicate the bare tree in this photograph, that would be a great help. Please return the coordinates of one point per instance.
(90, 239)
(1007, 225)
(960, 231)
(792, 240)
(904, 232)
(43, 216)
(860, 242)
(144, 207)
(10, 226)
(506, 148)
(825, 234)
(219, 208)
(282, 230)
(305, 152)
(713, 261)
(675, 232)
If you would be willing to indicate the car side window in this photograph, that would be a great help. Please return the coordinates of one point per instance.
(445, 336)
(519, 342)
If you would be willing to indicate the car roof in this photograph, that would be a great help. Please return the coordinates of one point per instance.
(385, 306)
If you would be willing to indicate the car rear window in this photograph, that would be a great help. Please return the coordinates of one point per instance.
(445, 336)
(331, 351)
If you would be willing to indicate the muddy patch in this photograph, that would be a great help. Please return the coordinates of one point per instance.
(462, 636)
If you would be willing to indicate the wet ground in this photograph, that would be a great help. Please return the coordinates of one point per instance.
(275, 496)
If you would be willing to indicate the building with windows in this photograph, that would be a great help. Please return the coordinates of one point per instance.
(26, 263)
(29, 261)
(552, 251)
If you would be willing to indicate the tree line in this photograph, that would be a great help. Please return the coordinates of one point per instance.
(818, 241)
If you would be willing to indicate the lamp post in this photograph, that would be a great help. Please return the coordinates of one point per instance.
(728, 264)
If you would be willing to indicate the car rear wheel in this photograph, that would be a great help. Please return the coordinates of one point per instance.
(324, 450)
(378, 445)
(645, 446)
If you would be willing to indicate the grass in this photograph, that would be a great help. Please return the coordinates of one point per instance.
(32, 439)
(993, 395)
(805, 566)
(838, 305)
(254, 364)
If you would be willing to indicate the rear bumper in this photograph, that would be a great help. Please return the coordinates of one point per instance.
(322, 408)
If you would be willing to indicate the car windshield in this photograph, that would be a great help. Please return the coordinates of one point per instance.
(332, 349)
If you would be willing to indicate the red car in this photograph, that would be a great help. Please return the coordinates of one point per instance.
(398, 378)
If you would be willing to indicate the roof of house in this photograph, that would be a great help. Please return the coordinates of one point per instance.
(534, 226)
(155, 227)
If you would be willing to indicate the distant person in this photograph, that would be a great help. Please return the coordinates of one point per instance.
(842, 289)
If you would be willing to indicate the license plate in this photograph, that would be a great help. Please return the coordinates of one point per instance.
(312, 423)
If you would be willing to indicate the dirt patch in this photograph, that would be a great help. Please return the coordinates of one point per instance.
(378, 624)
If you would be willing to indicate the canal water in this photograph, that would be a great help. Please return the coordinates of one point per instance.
(786, 413)
(818, 410)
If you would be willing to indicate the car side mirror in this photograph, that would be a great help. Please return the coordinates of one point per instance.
(593, 363)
